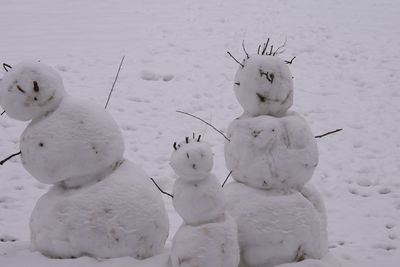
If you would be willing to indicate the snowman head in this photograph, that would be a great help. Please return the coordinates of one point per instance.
(30, 90)
(192, 159)
(264, 85)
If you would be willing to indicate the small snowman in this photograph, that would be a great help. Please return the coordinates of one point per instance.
(272, 155)
(208, 235)
(100, 204)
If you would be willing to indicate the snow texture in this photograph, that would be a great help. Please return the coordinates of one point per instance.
(192, 161)
(268, 152)
(212, 244)
(198, 202)
(264, 85)
(77, 143)
(275, 228)
(198, 197)
(121, 215)
(30, 90)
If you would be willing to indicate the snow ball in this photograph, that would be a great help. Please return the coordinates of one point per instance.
(30, 90)
(264, 86)
(192, 159)
(122, 215)
(268, 152)
(76, 143)
(212, 245)
(198, 202)
(275, 228)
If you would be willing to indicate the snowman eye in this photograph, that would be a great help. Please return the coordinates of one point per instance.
(35, 86)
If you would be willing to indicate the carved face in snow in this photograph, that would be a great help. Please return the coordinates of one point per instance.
(192, 159)
(29, 90)
(264, 86)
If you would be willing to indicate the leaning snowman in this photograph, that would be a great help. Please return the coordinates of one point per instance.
(272, 155)
(100, 204)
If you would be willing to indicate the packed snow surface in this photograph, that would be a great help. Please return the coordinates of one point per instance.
(213, 244)
(30, 90)
(345, 76)
(287, 224)
(77, 143)
(271, 152)
(122, 215)
(264, 85)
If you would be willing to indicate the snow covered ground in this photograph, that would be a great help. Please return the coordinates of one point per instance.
(345, 76)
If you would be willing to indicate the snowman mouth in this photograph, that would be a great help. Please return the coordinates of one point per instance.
(264, 98)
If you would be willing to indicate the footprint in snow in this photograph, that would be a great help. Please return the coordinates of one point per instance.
(152, 76)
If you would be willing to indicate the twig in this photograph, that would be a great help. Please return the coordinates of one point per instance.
(115, 80)
(235, 59)
(2, 113)
(325, 134)
(290, 62)
(265, 47)
(9, 157)
(226, 179)
(282, 46)
(5, 66)
(244, 49)
(159, 188)
(209, 124)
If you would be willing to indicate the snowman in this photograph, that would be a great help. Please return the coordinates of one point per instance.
(100, 204)
(208, 235)
(272, 155)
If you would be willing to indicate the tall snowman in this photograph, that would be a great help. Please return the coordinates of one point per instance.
(100, 204)
(208, 235)
(272, 155)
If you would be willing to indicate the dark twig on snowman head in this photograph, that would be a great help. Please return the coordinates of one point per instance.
(159, 188)
(244, 49)
(328, 133)
(265, 47)
(282, 46)
(237, 61)
(2, 113)
(115, 80)
(198, 139)
(290, 62)
(209, 124)
(9, 157)
(5, 66)
(226, 179)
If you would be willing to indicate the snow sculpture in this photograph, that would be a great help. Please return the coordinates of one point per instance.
(208, 235)
(272, 155)
(101, 204)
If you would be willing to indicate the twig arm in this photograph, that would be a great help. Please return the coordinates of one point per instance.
(226, 179)
(209, 124)
(9, 157)
(159, 188)
(328, 133)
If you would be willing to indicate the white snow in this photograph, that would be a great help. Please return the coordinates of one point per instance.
(345, 76)
(264, 85)
(212, 244)
(30, 90)
(268, 152)
(198, 202)
(192, 161)
(122, 215)
(275, 228)
(77, 143)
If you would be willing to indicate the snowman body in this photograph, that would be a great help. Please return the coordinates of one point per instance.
(100, 204)
(208, 235)
(272, 155)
